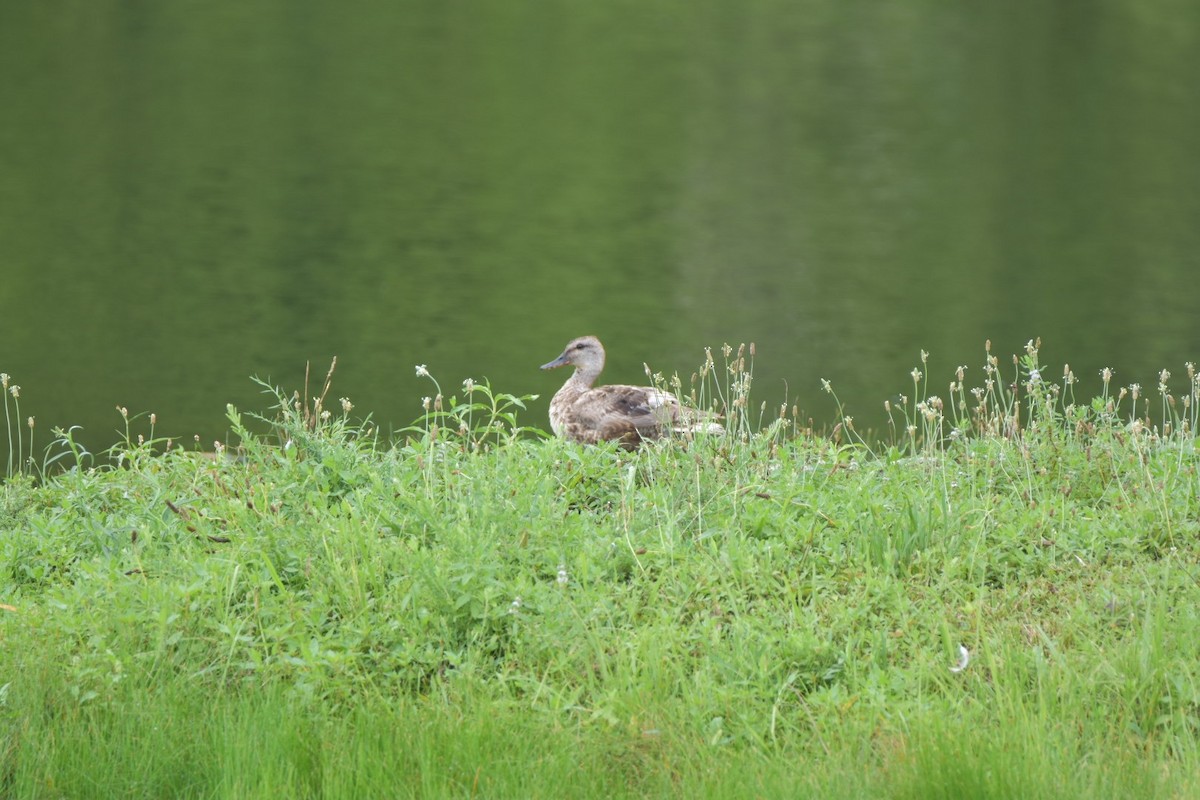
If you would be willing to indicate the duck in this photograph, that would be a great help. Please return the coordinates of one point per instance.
(628, 415)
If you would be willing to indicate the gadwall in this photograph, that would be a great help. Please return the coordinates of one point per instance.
(626, 414)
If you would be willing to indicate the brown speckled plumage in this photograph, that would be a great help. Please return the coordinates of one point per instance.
(626, 414)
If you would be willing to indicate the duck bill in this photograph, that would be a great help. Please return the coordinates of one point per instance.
(561, 361)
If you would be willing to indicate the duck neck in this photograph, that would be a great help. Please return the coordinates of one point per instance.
(581, 379)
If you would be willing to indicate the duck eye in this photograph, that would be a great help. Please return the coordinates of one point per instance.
(580, 346)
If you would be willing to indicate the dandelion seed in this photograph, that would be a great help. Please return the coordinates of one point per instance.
(563, 578)
(422, 371)
(964, 658)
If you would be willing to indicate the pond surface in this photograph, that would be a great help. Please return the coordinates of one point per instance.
(195, 193)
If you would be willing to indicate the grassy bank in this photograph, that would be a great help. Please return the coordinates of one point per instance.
(996, 599)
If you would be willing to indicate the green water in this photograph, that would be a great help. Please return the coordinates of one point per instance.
(193, 193)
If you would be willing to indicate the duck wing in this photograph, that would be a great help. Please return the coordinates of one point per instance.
(624, 413)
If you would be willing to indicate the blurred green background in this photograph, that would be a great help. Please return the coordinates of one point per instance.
(192, 193)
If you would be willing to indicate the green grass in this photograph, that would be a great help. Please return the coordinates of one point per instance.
(473, 611)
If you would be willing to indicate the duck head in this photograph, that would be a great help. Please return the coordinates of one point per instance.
(586, 354)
